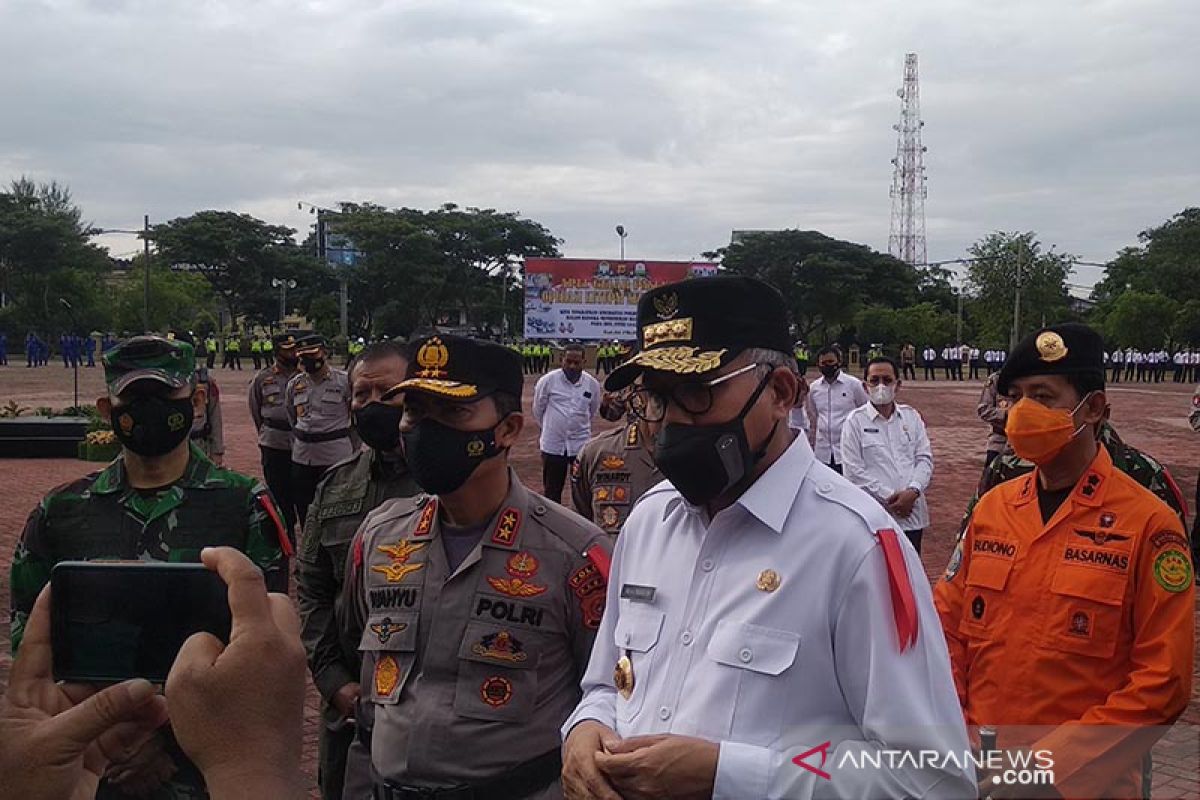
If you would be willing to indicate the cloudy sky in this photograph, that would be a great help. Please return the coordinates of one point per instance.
(681, 120)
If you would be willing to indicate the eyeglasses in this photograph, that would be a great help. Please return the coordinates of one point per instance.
(694, 397)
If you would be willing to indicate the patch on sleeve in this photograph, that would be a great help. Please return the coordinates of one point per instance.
(1173, 570)
(590, 587)
(1164, 538)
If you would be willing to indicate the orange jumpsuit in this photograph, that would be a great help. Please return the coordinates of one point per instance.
(1086, 620)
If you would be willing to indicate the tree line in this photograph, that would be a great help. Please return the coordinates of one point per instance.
(419, 268)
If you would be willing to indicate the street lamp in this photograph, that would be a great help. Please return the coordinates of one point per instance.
(144, 235)
(621, 233)
(74, 324)
(282, 285)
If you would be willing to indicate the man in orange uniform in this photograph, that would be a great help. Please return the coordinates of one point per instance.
(1069, 601)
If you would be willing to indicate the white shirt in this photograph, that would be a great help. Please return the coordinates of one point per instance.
(884, 455)
(830, 403)
(564, 410)
(771, 674)
(930, 354)
(798, 419)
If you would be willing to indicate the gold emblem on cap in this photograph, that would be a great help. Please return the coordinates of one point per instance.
(623, 677)
(1051, 347)
(768, 580)
(680, 360)
(666, 305)
(433, 358)
(678, 330)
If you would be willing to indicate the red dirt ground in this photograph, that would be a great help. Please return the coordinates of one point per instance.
(1151, 417)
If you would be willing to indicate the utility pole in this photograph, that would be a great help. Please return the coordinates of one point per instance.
(1016, 331)
(958, 325)
(146, 287)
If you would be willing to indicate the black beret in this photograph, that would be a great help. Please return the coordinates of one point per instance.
(699, 325)
(1068, 349)
(461, 368)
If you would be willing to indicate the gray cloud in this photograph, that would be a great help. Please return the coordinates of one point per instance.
(680, 120)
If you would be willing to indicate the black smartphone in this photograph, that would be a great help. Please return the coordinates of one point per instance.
(114, 620)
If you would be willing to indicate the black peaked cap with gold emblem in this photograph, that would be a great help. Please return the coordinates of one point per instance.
(461, 369)
(306, 345)
(283, 341)
(1067, 349)
(699, 325)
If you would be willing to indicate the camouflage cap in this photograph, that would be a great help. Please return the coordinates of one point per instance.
(167, 361)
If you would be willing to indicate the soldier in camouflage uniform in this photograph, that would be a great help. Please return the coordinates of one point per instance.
(348, 491)
(478, 604)
(615, 469)
(160, 500)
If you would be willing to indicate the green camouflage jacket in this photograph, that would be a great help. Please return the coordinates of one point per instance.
(101, 516)
(1133, 462)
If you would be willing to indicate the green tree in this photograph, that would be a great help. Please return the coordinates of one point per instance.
(1140, 319)
(237, 254)
(1003, 259)
(180, 300)
(45, 255)
(1166, 261)
(1186, 327)
(434, 263)
(824, 281)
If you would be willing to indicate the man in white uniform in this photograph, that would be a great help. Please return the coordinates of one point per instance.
(886, 451)
(751, 644)
(830, 399)
(564, 402)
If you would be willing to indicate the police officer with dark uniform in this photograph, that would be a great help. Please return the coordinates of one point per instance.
(269, 412)
(614, 469)
(478, 601)
(318, 408)
(348, 491)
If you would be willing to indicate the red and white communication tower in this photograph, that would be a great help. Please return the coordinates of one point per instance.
(907, 239)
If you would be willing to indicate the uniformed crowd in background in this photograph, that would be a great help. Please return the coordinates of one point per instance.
(473, 638)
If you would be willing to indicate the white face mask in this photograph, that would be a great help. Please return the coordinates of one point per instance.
(882, 394)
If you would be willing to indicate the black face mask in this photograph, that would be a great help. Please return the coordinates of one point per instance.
(288, 361)
(378, 424)
(152, 426)
(312, 365)
(442, 458)
(705, 461)
(830, 372)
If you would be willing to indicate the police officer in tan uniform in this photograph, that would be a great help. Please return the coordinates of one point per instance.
(613, 470)
(348, 492)
(318, 408)
(269, 412)
(478, 601)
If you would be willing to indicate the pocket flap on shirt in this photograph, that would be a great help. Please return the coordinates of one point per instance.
(1090, 584)
(637, 627)
(754, 647)
(990, 573)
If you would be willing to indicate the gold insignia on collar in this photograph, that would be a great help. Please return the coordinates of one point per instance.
(666, 305)
(433, 358)
(1051, 347)
(676, 330)
(768, 580)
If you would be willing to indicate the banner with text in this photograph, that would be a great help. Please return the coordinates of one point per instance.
(591, 299)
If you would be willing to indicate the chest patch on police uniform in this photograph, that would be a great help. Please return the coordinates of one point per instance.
(509, 611)
(501, 645)
(392, 597)
(342, 509)
(610, 517)
(612, 462)
(399, 553)
(385, 628)
(515, 587)
(522, 565)
(496, 691)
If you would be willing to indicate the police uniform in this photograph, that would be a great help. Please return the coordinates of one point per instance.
(319, 412)
(102, 517)
(611, 473)
(268, 409)
(346, 494)
(770, 627)
(1078, 619)
(469, 672)
(993, 409)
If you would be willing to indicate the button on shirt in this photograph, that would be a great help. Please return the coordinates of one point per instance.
(564, 410)
(884, 455)
(831, 402)
(772, 672)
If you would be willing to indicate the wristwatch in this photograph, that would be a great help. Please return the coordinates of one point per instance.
(916, 489)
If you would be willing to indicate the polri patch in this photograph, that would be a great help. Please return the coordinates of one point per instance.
(496, 691)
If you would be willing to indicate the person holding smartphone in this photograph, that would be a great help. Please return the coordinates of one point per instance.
(161, 499)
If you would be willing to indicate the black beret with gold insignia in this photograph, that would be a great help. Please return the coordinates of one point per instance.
(461, 369)
(1068, 349)
(698, 325)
